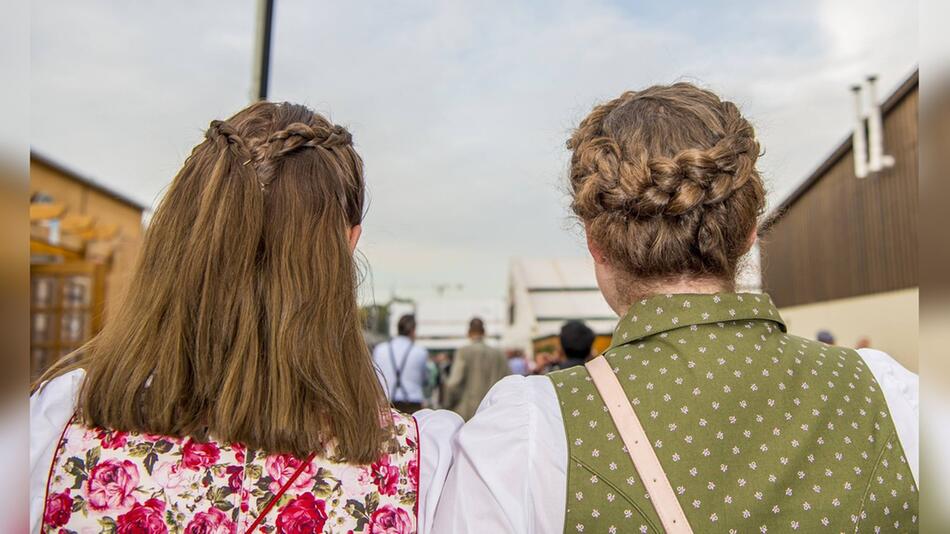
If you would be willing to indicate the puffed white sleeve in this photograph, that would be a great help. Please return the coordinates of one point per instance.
(437, 429)
(510, 467)
(901, 389)
(51, 408)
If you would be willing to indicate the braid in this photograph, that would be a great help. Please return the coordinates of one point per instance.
(655, 174)
(263, 155)
(225, 136)
(299, 135)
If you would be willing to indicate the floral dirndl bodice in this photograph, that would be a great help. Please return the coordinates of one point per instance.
(117, 482)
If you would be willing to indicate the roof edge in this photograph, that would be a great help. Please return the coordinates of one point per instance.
(88, 182)
(843, 148)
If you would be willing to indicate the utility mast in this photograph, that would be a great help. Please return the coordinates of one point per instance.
(261, 71)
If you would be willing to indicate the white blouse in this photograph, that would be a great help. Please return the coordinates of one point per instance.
(53, 406)
(510, 471)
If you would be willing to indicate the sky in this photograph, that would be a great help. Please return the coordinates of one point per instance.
(460, 110)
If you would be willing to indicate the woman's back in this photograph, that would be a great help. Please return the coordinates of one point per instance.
(137, 482)
(240, 326)
(755, 429)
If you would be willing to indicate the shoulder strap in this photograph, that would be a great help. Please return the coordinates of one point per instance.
(638, 446)
(398, 369)
(280, 493)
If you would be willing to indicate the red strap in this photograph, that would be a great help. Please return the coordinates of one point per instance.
(261, 516)
(52, 466)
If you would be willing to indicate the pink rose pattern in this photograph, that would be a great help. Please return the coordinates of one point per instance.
(127, 482)
(388, 519)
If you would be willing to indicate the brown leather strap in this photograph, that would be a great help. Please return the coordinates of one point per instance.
(639, 447)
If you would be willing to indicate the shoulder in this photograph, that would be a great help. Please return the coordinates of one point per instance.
(58, 392)
(517, 397)
(517, 414)
(806, 344)
(439, 424)
(402, 423)
(886, 368)
(577, 373)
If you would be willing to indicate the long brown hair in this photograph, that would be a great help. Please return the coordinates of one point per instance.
(666, 183)
(241, 320)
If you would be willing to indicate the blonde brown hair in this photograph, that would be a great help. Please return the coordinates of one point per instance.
(665, 181)
(241, 321)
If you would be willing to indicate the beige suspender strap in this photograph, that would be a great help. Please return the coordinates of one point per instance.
(639, 447)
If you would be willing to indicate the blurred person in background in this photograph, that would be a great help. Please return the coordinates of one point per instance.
(403, 367)
(517, 363)
(740, 426)
(433, 383)
(825, 337)
(232, 391)
(475, 369)
(544, 362)
(576, 341)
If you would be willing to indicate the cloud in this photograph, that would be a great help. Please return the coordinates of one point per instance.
(460, 109)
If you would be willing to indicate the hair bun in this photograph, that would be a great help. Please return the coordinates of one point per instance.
(656, 174)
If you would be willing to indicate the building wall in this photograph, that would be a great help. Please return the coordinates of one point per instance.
(846, 237)
(80, 198)
(888, 320)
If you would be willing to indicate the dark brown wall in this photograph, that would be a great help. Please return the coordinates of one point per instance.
(845, 237)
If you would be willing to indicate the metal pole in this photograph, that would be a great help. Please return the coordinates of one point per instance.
(859, 139)
(265, 20)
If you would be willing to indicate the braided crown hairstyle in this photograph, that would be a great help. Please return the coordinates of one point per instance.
(241, 320)
(666, 184)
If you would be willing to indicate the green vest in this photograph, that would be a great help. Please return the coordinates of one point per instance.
(757, 430)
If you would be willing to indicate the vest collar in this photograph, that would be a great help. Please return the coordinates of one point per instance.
(662, 313)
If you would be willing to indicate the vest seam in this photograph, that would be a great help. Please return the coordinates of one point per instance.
(618, 489)
(867, 488)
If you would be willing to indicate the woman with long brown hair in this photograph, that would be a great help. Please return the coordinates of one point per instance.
(703, 414)
(233, 391)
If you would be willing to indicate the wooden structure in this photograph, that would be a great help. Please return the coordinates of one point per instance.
(552, 344)
(83, 242)
(838, 236)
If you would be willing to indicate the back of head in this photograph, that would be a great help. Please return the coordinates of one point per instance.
(241, 320)
(576, 339)
(476, 328)
(665, 181)
(825, 337)
(406, 325)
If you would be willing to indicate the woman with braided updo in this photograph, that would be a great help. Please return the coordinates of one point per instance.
(703, 415)
(233, 390)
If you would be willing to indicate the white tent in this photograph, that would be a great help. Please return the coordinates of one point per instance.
(544, 293)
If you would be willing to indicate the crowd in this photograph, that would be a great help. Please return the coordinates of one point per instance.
(233, 390)
(413, 379)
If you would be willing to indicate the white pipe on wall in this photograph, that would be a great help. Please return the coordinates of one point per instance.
(876, 158)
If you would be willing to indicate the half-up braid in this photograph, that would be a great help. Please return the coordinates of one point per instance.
(665, 181)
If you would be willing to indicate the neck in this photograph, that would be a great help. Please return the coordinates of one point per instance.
(700, 286)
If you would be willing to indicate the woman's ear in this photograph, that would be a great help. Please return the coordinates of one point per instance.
(355, 234)
(594, 249)
(753, 235)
